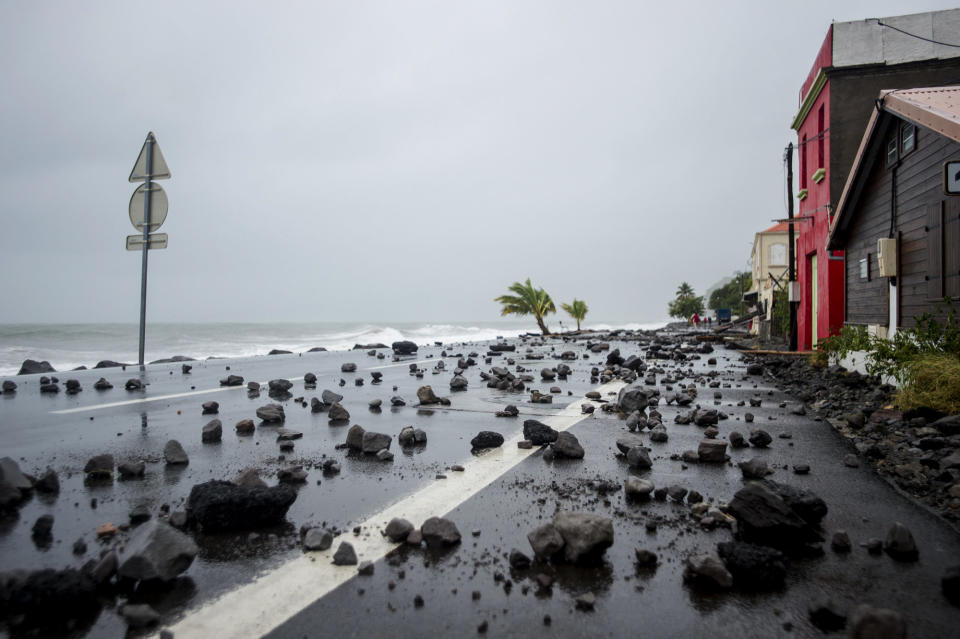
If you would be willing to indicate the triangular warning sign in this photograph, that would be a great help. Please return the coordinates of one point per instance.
(159, 170)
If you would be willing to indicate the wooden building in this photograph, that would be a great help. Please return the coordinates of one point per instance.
(896, 191)
(856, 60)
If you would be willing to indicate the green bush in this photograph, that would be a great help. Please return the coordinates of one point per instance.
(932, 381)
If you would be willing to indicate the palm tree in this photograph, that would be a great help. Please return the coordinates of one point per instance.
(684, 291)
(577, 310)
(528, 301)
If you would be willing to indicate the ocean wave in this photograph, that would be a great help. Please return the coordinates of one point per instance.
(68, 346)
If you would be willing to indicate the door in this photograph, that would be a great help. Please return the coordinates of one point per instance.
(814, 300)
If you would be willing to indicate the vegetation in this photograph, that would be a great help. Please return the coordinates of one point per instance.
(528, 301)
(577, 310)
(924, 360)
(730, 295)
(932, 381)
(686, 302)
(781, 312)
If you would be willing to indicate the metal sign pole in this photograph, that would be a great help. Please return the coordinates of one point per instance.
(146, 246)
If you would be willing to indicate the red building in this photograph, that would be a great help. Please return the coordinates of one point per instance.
(855, 62)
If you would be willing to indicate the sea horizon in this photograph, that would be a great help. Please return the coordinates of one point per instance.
(67, 346)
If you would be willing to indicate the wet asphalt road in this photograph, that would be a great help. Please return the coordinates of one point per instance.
(652, 603)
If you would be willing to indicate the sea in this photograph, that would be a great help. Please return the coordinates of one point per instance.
(69, 346)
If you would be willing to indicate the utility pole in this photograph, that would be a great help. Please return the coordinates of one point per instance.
(792, 258)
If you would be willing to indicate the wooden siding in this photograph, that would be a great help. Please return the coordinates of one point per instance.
(920, 206)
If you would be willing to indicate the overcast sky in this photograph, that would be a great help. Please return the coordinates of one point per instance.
(405, 161)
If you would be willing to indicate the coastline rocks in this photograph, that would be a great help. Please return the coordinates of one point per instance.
(867, 622)
(133, 384)
(626, 442)
(338, 413)
(636, 488)
(585, 535)
(245, 427)
(486, 439)
(410, 436)
(248, 477)
(50, 601)
(899, 543)
(345, 555)
(567, 446)
(224, 506)
(638, 457)
(99, 467)
(753, 567)
(404, 347)
(760, 438)
(271, 413)
(458, 383)
(33, 367)
(426, 396)
(232, 380)
(538, 432)
(355, 437)
(755, 468)
(10, 386)
(330, 398)
(372, 443)
(438, 532)
(398, 529)
(712, 451)
(317, 539)
(348, 367)
(212, 432)
(508, 411)
(632, 398)
(102, 384)
(174, 454)
(707, 569)
(156, 551)
(764, 517)
(545, 541)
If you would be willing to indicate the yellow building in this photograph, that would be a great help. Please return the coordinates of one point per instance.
(769, 258)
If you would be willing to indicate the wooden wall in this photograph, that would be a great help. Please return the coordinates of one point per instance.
(927, 248)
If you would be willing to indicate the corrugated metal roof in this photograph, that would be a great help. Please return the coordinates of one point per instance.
(935, 108)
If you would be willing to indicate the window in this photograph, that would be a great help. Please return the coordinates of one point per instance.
(865, 268)
(821, 134)
(803, 163)
(778, 254)
(908, 137)
(892, 152)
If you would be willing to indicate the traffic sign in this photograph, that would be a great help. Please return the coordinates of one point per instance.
(155, 241)
(951, 178)
(158, 166)
(158, 206)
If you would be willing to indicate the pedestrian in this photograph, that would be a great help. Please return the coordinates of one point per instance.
(696, 320)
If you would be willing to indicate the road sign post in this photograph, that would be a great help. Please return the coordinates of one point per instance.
(149, 166)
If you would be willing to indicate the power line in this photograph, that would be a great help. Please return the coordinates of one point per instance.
(914, 35)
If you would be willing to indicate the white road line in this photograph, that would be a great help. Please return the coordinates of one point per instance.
(259, 607)
(158, 398)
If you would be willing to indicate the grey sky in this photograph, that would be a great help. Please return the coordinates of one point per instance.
(394, 160)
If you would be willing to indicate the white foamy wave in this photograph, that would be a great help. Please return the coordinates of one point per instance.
(631, 326)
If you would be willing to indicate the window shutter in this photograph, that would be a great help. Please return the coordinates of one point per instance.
(934, 252)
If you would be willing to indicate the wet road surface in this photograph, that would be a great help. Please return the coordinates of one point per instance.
(38, 433)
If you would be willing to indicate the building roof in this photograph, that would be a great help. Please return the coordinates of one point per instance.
(896, 39)
(934, 108)
(782, 227)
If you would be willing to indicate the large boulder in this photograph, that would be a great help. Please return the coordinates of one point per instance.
(545, 541)
(33, 367)
(221, 505)
(338, 413)
(712, 450)
(404, 347)
(438, 532)
(707, 569)
(804, 502)
(631, 398)
(271, 413)
(487, 439)
(48, 602)
(753, 567)
(330, 398)
(585, 535)
(156, 550)
(763, 517)
(538, 432)
(174, 454)
(426, 396)
(567, 446)
(372, 443)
